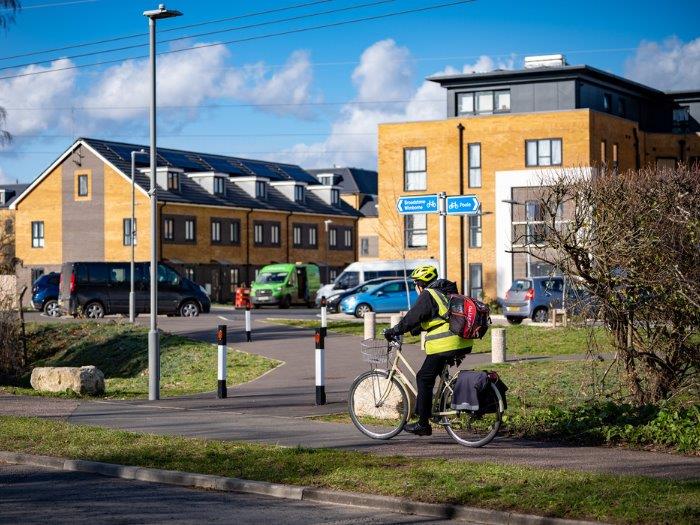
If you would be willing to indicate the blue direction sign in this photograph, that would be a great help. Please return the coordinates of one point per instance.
(417, 204)
(462, 205)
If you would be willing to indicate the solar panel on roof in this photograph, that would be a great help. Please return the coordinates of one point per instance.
(223, 165)
(262, 170)
(298, 174)
(180, 160)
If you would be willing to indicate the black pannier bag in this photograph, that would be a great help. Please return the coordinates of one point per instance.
(473, 392)
(488, 402)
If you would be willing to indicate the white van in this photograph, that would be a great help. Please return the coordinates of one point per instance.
(359, 272)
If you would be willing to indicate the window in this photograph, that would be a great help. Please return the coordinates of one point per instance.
(299, 193)
(233, 279)
(173, 181)
(82, 185)
(414, 169)
(275, 234)
(475, 165)
(364, 246)
(312, 236)
(476, 289)
(219, 186)
(296, 234)
(215, 231)
(260, 189)
(603, 151)
(326, 180)
(189, 229)
(38, 234)
(129, 232)
(543, 152)
(534, 226)
(483, 102)
(348, 238)
(621, 107)
(681, 114)
(607, 102)
(332, 237)
(475, 231)
(9, 226)
(168, 229)
(666, 163)
(335, 197)
(614, 157)
(416, 227)
(258, 233)
(189, 273)
(235, 232)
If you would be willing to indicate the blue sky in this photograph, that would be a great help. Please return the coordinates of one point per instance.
(313, 98)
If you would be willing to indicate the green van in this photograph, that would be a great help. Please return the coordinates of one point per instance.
(285, 284)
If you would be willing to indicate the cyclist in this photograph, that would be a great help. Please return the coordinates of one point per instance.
(441, 345)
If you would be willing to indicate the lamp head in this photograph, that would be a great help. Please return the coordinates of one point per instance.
(161, 12)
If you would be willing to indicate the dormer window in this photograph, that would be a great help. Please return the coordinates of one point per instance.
(299, 193)
(326, 180)
(219, 187)
(260, 189)
(335, 197)
(173, 181)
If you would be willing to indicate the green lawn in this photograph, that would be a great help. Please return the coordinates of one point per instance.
(121, 352)
(520, 340)
(554, 493)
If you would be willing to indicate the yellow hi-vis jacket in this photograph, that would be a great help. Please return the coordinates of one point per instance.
(439, 338)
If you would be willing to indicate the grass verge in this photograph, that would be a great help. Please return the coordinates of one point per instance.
(120, 351)
(521, 340)
(556, 493)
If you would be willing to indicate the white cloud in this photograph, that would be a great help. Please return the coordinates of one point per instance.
(277, 91)
(384, 73)
(669, 65)
(51, 90)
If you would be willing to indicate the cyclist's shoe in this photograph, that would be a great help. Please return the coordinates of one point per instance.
(419, 429)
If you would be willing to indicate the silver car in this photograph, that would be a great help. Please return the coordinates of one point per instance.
(532, 298)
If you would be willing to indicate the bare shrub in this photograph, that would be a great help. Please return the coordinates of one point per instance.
(632, 240)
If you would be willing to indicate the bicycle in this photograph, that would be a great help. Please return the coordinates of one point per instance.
(379, 401)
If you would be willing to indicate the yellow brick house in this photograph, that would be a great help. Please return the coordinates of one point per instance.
(220, 218)
(504, 131)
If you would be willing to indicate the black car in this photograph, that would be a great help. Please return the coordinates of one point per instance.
(333, 302)
(96, 289)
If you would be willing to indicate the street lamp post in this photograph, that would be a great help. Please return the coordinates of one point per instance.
(132, 236)
(153, 339)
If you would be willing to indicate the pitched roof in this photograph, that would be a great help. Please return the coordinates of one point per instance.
(118, 154)
(12, 191)
(368, 206)
(352, 180)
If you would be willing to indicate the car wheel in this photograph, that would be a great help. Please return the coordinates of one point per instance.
(514, 320)
(94, 310)
(52, 309)
(286, 302)
(189, 309)
(362, 309)
(540, 315)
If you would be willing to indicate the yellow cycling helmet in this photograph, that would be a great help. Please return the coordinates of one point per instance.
(424, 274)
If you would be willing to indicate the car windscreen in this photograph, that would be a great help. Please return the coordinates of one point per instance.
(520, 285)
(271, 277)
(347, 280)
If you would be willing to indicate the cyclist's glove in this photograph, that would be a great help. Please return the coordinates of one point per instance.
(390, 334)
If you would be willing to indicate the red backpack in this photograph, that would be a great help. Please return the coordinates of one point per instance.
(468, 318)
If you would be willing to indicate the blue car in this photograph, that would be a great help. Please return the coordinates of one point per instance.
(382, 298)
(45, 294)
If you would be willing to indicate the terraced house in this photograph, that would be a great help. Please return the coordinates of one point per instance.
(503, 132)
(220, 218)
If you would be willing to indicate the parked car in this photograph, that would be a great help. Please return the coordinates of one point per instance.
(382, 298)
(96, 289)
(285, 284)
(45, 294)
(532, 298)
(333, 303)
(360, 272)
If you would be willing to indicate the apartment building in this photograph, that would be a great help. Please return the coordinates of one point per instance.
(8, 194)
(503, 132)
(358, 188)
(220, 218)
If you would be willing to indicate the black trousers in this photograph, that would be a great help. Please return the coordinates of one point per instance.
(425, 379)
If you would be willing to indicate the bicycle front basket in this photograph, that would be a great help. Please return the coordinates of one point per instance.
(376, 351)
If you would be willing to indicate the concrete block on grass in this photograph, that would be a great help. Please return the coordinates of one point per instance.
(84, 380)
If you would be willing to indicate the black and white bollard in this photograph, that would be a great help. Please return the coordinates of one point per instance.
(248, 335)
(324, 316)
(221, 342)
(320, 367)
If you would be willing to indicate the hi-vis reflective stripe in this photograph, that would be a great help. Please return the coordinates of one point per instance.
(441, 335)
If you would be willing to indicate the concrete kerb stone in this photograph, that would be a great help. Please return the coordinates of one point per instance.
(294, 492)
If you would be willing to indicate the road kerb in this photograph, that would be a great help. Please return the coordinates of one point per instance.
(294, 492)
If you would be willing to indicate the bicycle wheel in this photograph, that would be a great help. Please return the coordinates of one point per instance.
(378, 406)
(468, 428)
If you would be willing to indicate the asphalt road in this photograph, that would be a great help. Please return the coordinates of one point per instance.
(37, 495)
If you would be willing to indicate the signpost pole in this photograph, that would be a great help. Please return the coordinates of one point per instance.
(442, 196)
